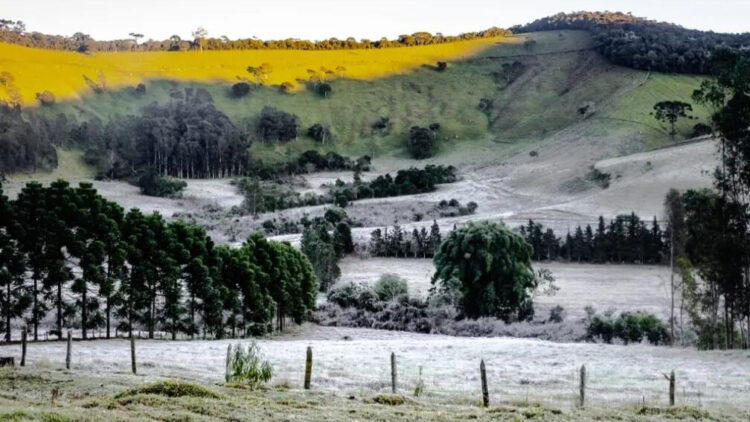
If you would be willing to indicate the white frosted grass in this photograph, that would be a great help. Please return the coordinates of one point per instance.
(518, 370)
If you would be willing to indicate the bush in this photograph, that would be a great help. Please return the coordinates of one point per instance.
(170, 388)
(557, 314)
(248, 366)
(353, 295)
(701, 129)
(140, 89)
(320, 133)
(421, 142)
(324, 90)
(46, 98)
(240, 89)
(154, 184)
(599, 177)
(630, 327)
(441, 66)
(390, 286)
(276, 125)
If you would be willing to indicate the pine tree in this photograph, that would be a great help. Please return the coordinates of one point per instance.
(31, 231)
(342, 239)
(435, 239)
(15, 297)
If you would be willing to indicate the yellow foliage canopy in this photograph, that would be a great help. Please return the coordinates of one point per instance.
(64, 73)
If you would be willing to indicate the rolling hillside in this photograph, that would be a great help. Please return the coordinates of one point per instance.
(559, 73)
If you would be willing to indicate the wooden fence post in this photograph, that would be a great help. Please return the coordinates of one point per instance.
(485, 391)
(671, 379)
(394, 373)
(132, 355)
(68, 350)
(23, 347)
(582, 387)
(308, 367)
(228, 369)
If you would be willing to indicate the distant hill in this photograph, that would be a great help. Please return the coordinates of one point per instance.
(646, 44)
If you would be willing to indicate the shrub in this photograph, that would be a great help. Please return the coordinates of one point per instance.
(46, 98)
(472, 207)
(320, 133)
(324, 90)
(599, 177)
(354, 296)
(140, 89)
(390, 286)
(154, 184)
(557, 314)
(240, 89)
(248, 366)
(421, 142)
(630, 327)
(276, 125)
(170, 388)
(441, 66)
(701, 129)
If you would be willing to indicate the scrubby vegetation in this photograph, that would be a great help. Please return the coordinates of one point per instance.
(170, 388)
(628, 327)
(154, 184)
(248, 366)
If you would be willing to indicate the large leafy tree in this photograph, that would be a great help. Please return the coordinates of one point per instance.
(489, 267)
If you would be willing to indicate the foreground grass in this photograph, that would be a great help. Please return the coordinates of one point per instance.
(38, 394)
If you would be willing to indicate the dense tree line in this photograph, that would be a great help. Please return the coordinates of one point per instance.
(624, 239)
(263, 196)
(185, 137)
(70, 252)
(644, 44)
(401, 243)
(15, 32)
(26, 143)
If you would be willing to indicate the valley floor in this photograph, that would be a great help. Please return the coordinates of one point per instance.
(355, 362)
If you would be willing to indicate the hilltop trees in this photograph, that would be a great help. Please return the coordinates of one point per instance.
(489, 268)
(15, 32)
(70, 250)
(421, 142)
(639, 43)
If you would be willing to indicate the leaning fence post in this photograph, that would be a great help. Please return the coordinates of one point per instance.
(228, 369)
(23, 347)
(582, 387)
(485, 392)
(68, 351)
(308, 367)
(394, 373)
(671, 379)
(132, 354)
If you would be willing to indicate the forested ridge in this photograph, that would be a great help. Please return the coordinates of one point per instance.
(69, 253)
(645, 44)
(15, 32)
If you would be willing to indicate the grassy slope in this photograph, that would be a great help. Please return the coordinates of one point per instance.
(562, 73)
(91, 397)
(62, 72)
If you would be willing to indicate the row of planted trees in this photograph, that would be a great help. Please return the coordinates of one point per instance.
(68, 252)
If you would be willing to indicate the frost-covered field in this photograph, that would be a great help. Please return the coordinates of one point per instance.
(604, 287)
(518, 370)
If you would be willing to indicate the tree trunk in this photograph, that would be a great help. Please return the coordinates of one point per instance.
(671, 286)
(59, 310)
(84, 313)
(7, 316)
(34, 316)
